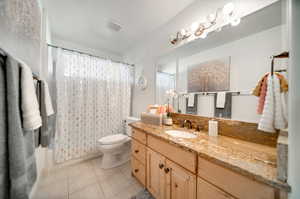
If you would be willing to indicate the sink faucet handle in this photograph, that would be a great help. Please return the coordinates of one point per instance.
(199, 127)
(188, 123)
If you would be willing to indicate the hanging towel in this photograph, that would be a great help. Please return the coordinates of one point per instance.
(279, 120)
(266, 122)
(46, 98)
(227, 110)
(4, 174)
(262, 97)
(46, 113)
(221, 99)
(257, 89)
(37, 132)
(191, 100)
(30, 107)
(284, 104)
(21, 164)
(284, 86)
(192, 109)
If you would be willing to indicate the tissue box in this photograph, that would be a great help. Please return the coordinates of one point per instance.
(153, 119)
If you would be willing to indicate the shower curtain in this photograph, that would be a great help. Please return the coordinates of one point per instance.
(93, 99)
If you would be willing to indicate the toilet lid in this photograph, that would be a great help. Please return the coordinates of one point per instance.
(113, 139)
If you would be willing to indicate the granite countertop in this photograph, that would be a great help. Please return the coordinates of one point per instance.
(253, 160)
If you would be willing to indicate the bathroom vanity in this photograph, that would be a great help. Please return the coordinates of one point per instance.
(203, 167)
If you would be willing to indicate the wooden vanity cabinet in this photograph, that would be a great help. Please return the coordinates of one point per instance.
(156, 178)
(167, 180)
(170, 172)
(237, 185)
(138, 170)
(138, 156)
(180, 182)
(206, 190)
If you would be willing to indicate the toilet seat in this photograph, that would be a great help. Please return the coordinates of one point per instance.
(113, 139)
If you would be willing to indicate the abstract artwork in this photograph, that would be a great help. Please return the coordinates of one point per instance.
(209, 76)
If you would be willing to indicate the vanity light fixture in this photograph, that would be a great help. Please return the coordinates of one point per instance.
(214, 22)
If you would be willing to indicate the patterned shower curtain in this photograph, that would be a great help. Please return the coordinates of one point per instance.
(93, 99)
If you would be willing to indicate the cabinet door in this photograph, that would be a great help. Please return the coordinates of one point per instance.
(206, 190)
(138, 170)
(155, 174)
(180, 183)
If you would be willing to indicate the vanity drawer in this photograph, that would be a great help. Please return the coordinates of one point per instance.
(206, 190)
(237, 185)
(180, 156)
(138, 170)
(138, 151)
(139, 136)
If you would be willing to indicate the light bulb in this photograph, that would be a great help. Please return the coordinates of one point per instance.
(235, 21)
(210, 18)
(194, 26)
(228, 8)
(183, 32)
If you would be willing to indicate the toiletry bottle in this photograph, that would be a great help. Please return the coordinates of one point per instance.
(213, 128)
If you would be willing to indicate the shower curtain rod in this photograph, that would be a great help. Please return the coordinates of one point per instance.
(77, 51)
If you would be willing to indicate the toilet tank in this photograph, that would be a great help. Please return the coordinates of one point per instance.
(128, 121)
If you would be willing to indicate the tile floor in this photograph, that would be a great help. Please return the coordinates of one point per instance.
(87, 181)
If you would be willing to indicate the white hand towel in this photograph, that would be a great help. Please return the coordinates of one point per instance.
(266, 122)
(47, 98)
(29, 104)
(221, 100)
(284, 104)
(279, 120)
(191, 100)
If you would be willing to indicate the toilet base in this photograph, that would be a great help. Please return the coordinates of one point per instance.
(116, 157)
(111, 161)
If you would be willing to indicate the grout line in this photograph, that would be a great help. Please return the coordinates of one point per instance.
(97, 180)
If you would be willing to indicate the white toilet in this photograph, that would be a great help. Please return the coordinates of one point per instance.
(116, 148)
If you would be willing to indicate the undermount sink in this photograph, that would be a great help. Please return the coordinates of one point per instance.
(180, 134)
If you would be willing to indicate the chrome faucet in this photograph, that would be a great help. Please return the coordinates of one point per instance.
(187, 123)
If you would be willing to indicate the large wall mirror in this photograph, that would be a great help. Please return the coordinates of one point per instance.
(215, 76)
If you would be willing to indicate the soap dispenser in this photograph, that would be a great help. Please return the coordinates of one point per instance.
(213, 128)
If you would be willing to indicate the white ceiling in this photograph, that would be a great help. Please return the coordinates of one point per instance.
(85, 21)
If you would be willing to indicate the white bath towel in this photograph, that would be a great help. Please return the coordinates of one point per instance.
(29, 104)
(191, 100)
(221, 100)
(284, 104)
(279, 120)
(47, 98)
(266, 122)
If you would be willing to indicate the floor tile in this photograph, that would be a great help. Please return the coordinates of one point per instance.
(86, 180)
(114, 184)
(90, 192)
(53, 176)
(82, 180)
(56, 190)
(78, 169)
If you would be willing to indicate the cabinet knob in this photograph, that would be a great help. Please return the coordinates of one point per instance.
(136, 170)
(176, 185)
(161, 165)
(136, 151)
(167, 170)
